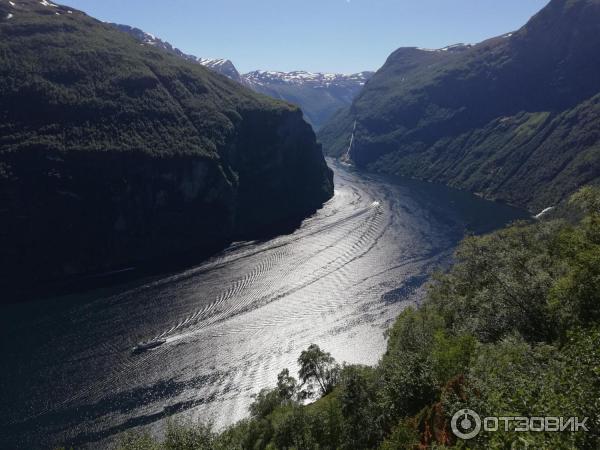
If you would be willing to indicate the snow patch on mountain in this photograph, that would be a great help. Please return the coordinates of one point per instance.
(262, 77)
(222, 66)
(319, 95)
(450, 48)
(213, 62)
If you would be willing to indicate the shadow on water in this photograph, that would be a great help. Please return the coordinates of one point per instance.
(340, 279)
(408, 287)
(122, 402)
(129, 424)
(141, 271)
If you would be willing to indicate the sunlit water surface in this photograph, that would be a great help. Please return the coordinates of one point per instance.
(232, 323)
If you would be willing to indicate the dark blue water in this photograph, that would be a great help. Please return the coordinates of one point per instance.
(231, 324)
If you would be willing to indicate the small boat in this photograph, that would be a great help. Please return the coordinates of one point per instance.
(145, 346)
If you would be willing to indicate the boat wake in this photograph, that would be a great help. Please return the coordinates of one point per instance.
(199, 344)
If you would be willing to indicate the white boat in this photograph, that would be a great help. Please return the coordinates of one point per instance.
(144, 346)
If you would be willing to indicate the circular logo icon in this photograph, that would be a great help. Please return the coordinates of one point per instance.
(466, 424)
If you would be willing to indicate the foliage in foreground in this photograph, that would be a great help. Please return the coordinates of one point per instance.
(513, 329)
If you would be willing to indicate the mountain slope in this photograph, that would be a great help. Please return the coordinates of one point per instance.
(113, 154)
(319, 95)
(514, 118)
(222, 66)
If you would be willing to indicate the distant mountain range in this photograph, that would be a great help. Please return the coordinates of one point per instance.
(514, 118)
(319, 95)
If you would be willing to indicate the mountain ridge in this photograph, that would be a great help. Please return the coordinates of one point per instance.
(496, 118)
(318, 94)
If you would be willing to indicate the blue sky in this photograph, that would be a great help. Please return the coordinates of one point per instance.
(316, 35)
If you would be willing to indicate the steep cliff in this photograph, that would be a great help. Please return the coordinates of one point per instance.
(114, 154)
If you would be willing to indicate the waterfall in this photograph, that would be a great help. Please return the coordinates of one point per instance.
(346, 157)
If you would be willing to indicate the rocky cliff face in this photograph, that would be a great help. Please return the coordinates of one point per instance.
(115, 154)
(514, 118)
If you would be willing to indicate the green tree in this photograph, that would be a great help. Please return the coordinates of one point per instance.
(317, 369)
(180, 436)
(587, 199)
(287, 387)
(360, 408)
(265, 402)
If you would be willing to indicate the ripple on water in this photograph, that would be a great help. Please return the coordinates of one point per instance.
(232, 323)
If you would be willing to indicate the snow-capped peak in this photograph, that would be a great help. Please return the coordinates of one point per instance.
(222, 66)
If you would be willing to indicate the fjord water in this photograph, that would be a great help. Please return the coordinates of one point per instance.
(232, 323)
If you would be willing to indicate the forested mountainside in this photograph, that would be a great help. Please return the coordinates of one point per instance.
(113, 154)
(222, 66)
(515, 118)
(319, 95)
